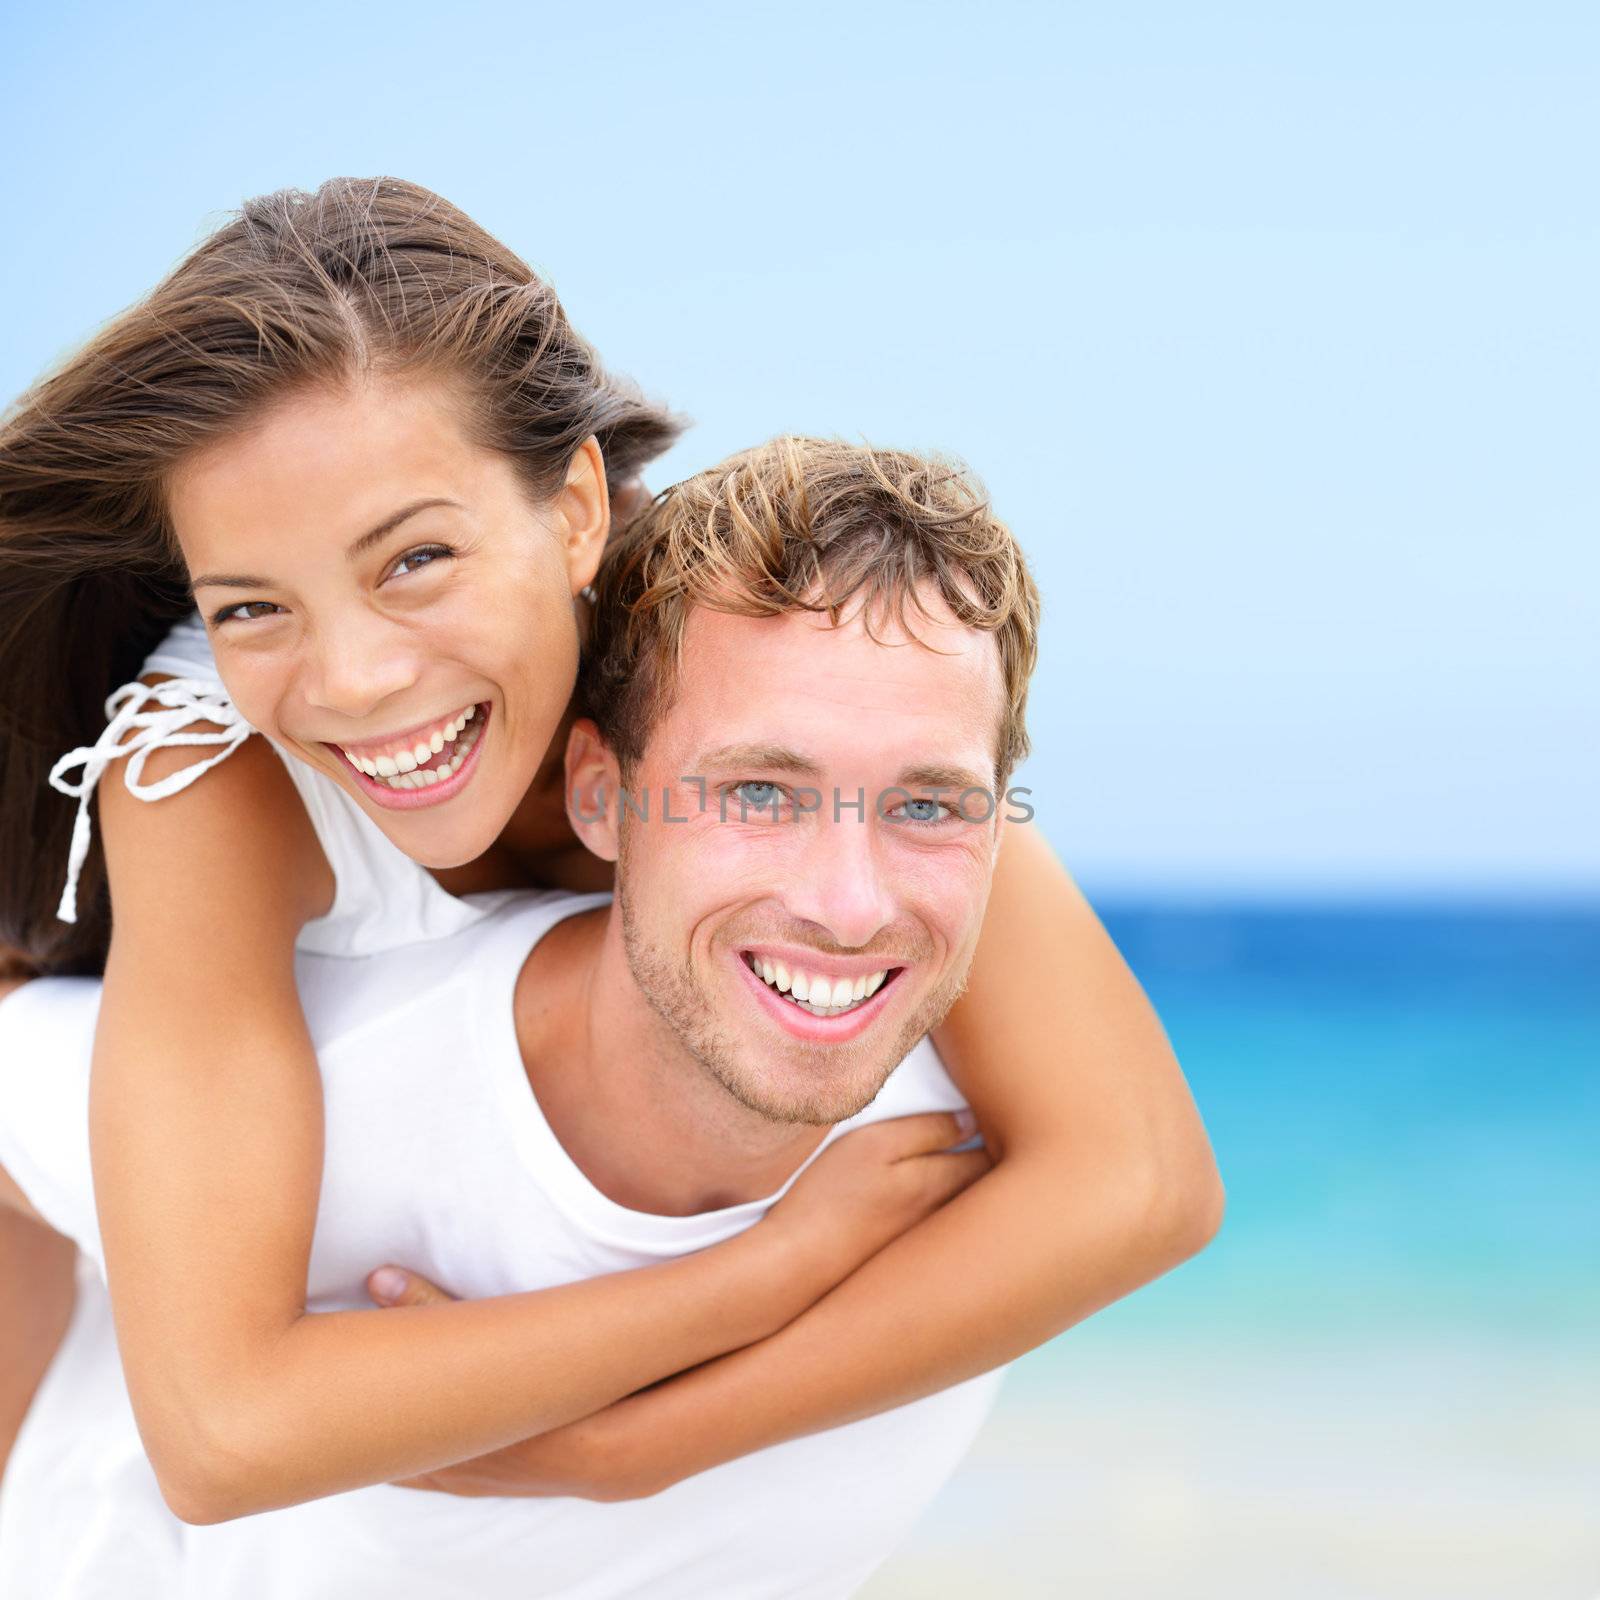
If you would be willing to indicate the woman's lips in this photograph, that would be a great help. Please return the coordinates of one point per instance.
(403, 751)
(408, 799)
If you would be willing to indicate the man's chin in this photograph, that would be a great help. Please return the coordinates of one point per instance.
(806, 1093)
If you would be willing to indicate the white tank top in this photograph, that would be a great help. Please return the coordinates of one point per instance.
(439, 1157)
(382, 898)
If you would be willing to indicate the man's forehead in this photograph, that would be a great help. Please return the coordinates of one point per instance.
(933, 682)
(877, 633)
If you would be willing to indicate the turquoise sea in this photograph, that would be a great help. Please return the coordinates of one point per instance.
(1383, 1377)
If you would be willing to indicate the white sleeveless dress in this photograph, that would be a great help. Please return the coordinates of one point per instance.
(80, 1510)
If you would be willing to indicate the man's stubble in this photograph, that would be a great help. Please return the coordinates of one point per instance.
(825, 1094)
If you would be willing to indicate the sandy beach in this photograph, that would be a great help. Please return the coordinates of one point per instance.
(1465, 1472)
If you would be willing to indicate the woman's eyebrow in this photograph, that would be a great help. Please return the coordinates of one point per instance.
(358, 547)
(228, 580)
(389, 524)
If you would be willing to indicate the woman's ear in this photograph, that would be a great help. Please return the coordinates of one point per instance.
(593, 787)
(584, 508)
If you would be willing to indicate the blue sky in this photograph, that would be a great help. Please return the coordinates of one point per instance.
(1272, 330)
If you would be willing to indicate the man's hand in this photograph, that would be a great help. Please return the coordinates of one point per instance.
(579, 1460)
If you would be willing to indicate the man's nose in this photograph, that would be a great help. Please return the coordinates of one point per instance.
(841, 884)
(358, 664)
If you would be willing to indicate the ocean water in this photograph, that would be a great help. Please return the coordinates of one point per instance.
(1383, 1377)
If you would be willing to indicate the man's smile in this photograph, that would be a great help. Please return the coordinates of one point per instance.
(793, 993)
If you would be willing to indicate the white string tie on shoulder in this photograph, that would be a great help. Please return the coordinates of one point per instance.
(143, 717)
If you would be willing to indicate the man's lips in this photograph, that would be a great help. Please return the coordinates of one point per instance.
(803, 1023)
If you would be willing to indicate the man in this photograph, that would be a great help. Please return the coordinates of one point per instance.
(806, 703)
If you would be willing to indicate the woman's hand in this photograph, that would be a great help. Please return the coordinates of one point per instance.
(588, 1459)
(870, 1186)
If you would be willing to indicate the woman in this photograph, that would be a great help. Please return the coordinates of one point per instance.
(276, 382)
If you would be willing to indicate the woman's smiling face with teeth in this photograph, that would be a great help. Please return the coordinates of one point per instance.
(389, 604)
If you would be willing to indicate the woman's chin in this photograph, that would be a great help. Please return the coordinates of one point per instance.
(437, 843)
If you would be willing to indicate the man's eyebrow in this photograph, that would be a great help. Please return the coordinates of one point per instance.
(769, 757)
(941, 777)
(779, 758)
(358, 547)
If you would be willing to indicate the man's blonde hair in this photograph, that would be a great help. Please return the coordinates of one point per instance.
(804, 525)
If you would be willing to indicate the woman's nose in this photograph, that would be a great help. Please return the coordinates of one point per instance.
(357, 666)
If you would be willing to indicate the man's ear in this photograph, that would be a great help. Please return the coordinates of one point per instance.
(593, 788)
(583, 508)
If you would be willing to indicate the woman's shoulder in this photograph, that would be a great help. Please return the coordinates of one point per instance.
(164, 731)
(368, 895)
(190, 845)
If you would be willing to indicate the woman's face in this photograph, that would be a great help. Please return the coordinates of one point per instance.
(388, 605)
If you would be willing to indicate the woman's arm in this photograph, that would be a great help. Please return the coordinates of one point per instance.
(37, 1290)
(1104, 1180)
(206, 1127)
(38, 1281)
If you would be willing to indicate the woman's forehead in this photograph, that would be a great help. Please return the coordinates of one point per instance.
(332, 463)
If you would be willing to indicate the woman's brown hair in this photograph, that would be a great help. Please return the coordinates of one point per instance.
(364, 275)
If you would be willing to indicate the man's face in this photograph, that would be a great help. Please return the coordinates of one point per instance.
(867, 901)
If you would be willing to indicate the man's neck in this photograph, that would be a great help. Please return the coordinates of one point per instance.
(645, 1122)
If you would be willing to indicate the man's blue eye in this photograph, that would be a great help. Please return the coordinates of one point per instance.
(923, 810)
(758, 796)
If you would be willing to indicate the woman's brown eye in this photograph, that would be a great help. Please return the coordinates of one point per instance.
(415, 558)
(246, 611)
